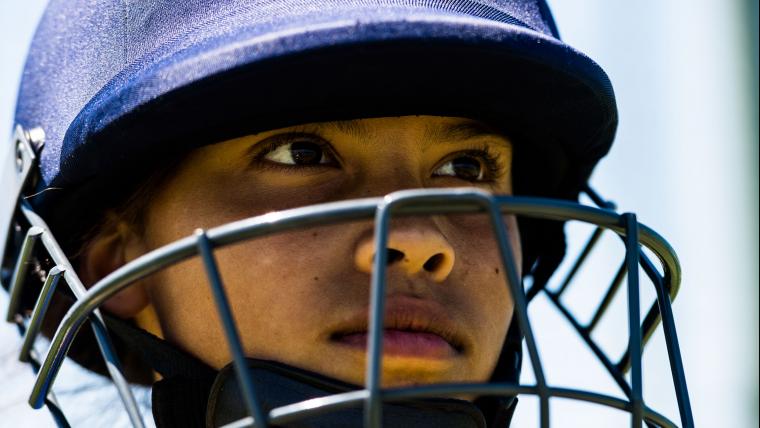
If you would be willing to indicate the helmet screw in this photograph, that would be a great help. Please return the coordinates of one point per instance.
(36, 136)
(19, 157)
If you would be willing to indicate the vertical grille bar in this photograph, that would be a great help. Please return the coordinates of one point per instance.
(38, 314)
(19, 271)
(230, 331)
(634, 317)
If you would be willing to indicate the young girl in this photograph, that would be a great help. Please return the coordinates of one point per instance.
(161, 118)
(303, 296)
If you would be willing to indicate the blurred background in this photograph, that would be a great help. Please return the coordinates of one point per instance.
(685, 160)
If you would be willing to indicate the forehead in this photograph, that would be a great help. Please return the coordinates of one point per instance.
(428, 129)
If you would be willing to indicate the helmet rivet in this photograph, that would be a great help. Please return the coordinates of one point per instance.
(36, 137)
(19, 157)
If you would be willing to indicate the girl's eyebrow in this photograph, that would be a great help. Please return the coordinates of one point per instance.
(457, 132)
(434, 134)
(353, 128)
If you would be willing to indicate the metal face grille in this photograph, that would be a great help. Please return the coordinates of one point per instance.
(371, 397)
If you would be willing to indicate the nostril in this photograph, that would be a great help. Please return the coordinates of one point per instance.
(394, 256)
(434, 262)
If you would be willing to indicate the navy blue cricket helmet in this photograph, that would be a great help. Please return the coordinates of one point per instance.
(121, 88)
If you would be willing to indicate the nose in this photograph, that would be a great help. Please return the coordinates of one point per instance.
(415, 250)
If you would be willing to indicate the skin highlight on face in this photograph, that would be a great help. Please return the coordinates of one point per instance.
(301, 297)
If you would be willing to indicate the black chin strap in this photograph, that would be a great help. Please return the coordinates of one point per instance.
(191, 394)
(278, 385)
(180, 397)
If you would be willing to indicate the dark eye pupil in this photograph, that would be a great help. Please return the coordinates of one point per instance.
(306, 153)
(466, 168)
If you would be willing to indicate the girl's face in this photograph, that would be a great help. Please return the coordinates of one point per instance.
(302, 297)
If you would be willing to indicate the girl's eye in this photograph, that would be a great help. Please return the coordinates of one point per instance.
(463, 167)
(303, 153)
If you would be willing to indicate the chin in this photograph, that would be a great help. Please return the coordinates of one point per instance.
(409, 372)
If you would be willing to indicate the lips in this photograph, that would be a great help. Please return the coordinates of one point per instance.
(404, 343)
(412, 328)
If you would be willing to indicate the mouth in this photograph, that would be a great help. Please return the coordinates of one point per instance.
(411, 328)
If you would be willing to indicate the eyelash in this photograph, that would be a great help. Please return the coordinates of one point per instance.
(492, 162)
(278, 140)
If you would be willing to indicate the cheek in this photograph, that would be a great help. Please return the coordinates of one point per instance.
(485, 297)
(475, 238)
(280, 288)
(274, 284)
